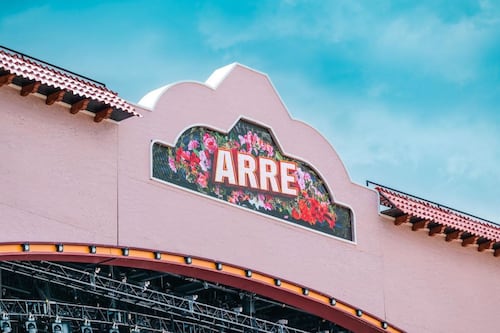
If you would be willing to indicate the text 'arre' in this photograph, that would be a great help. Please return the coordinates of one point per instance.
(260, 173)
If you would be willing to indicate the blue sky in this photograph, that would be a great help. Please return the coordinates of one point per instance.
(407, 92)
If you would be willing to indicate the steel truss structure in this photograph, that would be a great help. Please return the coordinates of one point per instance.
(176, 314)
(19, 309)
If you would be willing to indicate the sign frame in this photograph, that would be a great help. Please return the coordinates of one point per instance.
(311, 206)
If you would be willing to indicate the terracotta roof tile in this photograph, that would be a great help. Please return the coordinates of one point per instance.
(443, 215)
(30, 69)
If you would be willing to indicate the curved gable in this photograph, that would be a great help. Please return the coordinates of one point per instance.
(238, 92)
(186, 222)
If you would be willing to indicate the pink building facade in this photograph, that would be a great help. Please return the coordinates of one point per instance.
(78, 184)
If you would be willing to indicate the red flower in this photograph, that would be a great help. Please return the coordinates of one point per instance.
(193, 160)
(182, 155)
(312, 211)
(305, 212)
(317, 210)
(178, 154)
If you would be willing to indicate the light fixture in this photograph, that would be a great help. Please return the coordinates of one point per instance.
(25, 247)
(191, 299)
(92, 249)
(114, 329)
(59, 247)
(333, 301)
(188, 260)
(384, 325)
(30, 324)
(238, 309)
(277, 282)
(305, 291)
(86, 328)
(218, 266)
(57, 326)
(125, 251)
(5, 325)
(282, 321)
(157, 255)
(135, 330)
(248, 273)
(359, 313)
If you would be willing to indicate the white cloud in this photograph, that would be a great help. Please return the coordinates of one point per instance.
(444, 155)
(417, 39)
(424, 43)
(323, 21)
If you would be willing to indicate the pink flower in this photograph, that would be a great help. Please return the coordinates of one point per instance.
(255, 139)
(300, 178)
(269, 149)
(307, 176)
(235, 197)
(171, 164)
(202, 180)
(242, 140)
(210, 143)
(248, 140)
(204, 161)
(258, 201)
(193, 144)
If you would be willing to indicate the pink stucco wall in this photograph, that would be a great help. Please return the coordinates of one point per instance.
(64, 178)
(57, 173)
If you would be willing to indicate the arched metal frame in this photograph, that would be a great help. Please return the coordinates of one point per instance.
(302, 297)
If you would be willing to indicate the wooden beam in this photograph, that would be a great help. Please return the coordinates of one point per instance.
(80, 105)
(6, 79)
(437, 229)
(402, 219)
(419, 225)
(484, 245)
(469, 240)
(103, 114)
(56, 96)
(452, 235)
(30, 88)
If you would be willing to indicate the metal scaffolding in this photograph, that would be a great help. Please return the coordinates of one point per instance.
(79, 315)
(179, 314)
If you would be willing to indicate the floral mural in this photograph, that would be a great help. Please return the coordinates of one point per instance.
(246, 168)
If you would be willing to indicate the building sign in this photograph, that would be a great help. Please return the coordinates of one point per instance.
(246, 168)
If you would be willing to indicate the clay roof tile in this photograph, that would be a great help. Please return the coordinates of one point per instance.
(442, 215)
(29, 69)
